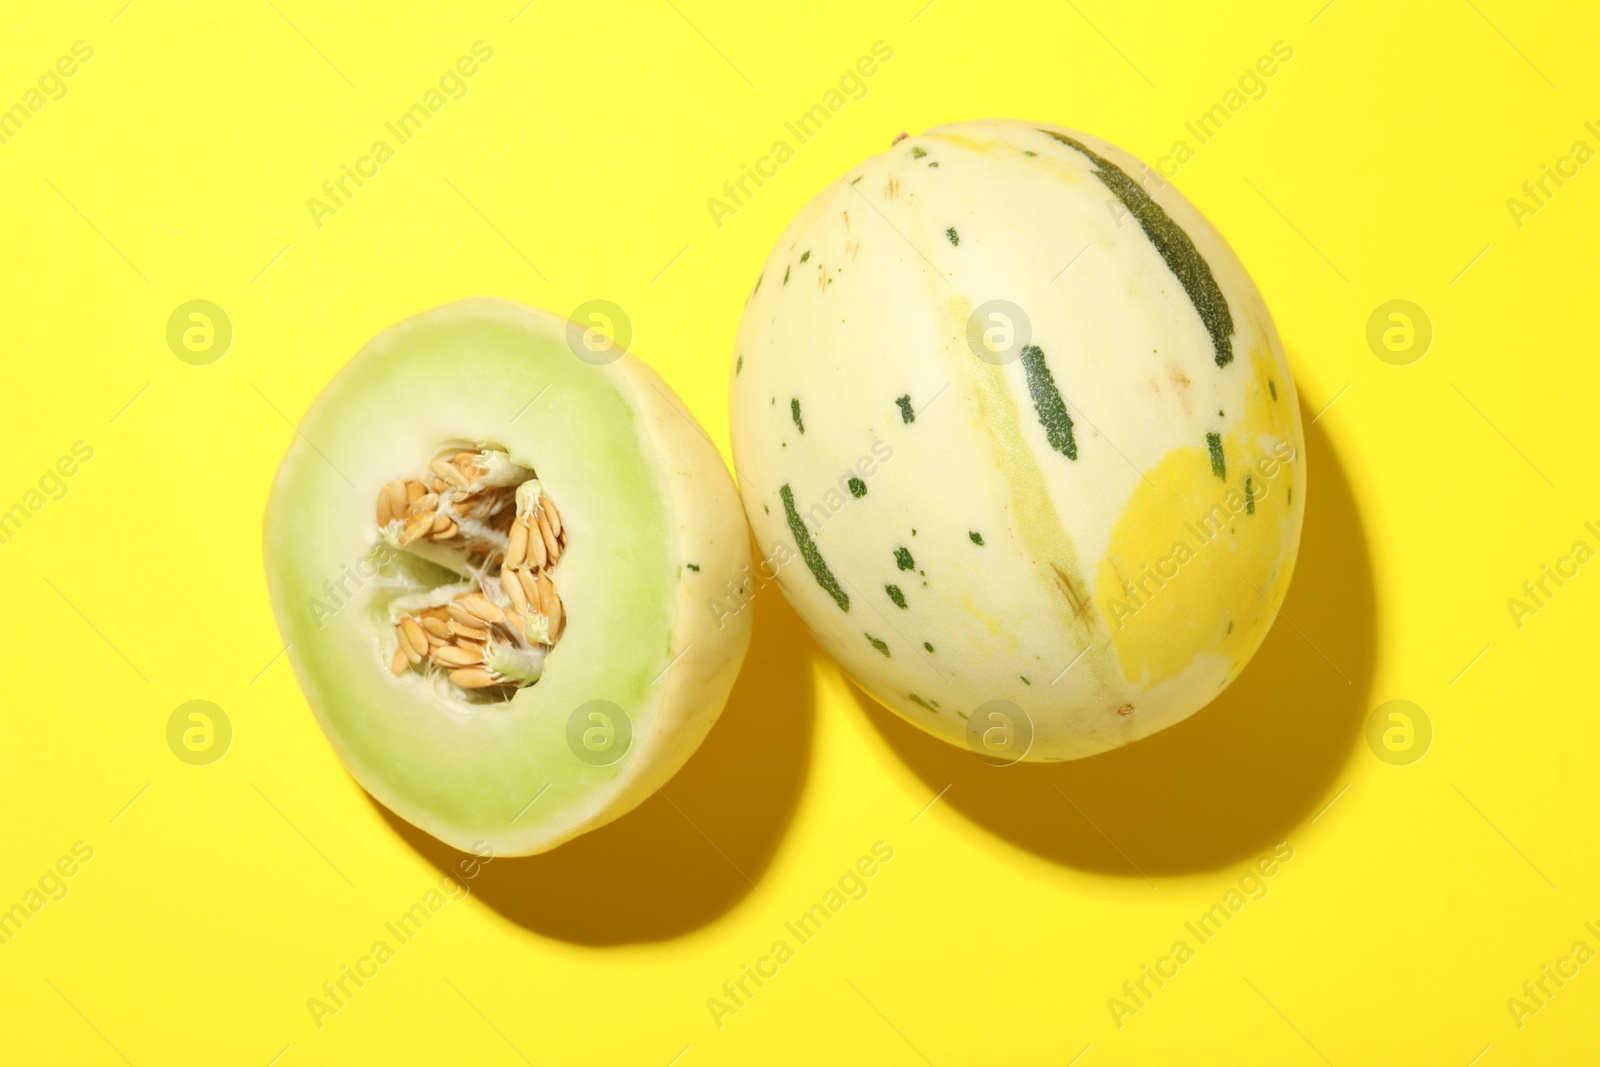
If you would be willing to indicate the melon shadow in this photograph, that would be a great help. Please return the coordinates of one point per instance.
(692, 850)
(1234, 778)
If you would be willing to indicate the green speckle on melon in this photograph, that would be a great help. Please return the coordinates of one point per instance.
(794, 413)
(955, 238)
(977, 538)
(858, 488)
(877, 644)
(810, 553)
(1047, 402)
(917, 153)
(896, 595)
(1219, 465)
(906, 414)
(903, 560)
(1175, 247)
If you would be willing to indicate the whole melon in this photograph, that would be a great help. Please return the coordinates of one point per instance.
(1018, 440)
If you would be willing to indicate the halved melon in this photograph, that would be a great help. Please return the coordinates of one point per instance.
(491, 560)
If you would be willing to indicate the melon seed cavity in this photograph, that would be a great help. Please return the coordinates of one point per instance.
(487, 518)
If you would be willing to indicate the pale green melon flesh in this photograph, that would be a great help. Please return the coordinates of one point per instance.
(471, 374)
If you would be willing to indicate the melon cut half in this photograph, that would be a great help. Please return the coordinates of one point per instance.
(490, 560)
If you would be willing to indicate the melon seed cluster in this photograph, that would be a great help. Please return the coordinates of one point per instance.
(492, 513)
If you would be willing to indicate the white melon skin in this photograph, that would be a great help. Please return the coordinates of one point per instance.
(879, 309)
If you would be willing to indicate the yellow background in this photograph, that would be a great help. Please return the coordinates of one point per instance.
(1377, 167)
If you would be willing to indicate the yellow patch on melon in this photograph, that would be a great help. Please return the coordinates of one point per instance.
(1187, 557)
(990, 147)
